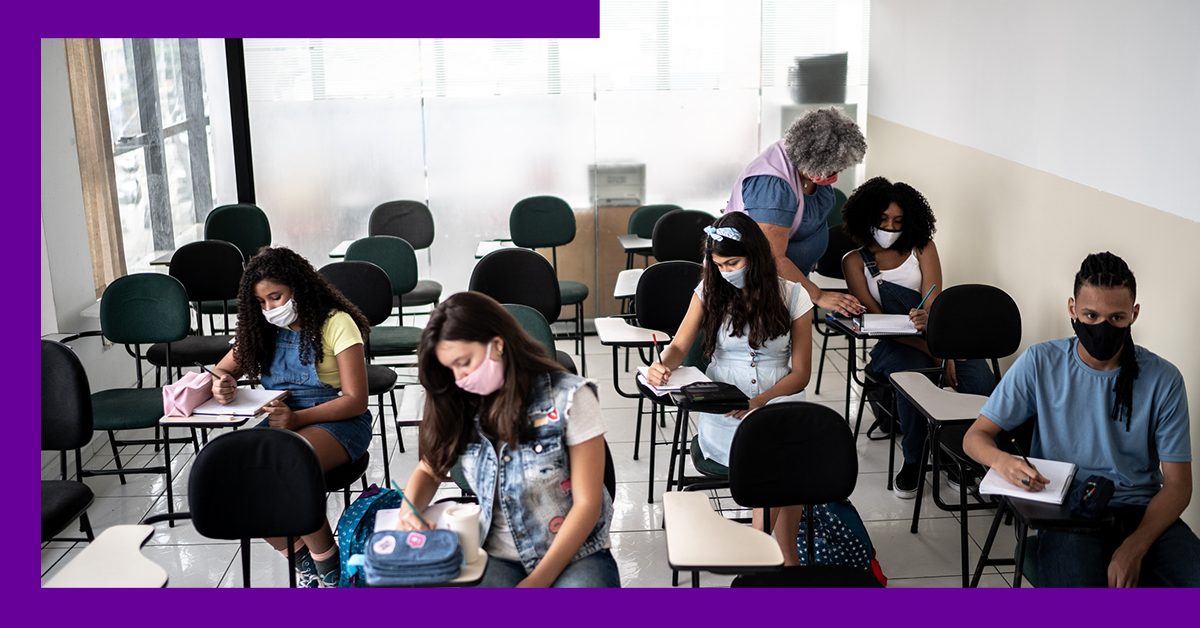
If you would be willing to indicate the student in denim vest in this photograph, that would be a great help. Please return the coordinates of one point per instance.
(895, 266)
(1113, 409)
(297, 333)
(530, 440)
(757, 329)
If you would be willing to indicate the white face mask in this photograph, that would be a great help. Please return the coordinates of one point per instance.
(884, 237)
(283, 315)
(735, 277)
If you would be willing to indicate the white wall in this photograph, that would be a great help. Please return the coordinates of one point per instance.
(1101, 92)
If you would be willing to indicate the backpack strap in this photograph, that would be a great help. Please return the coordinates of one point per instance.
(868, 259)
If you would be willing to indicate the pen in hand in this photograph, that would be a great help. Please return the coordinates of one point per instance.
(658, 351)
(1026, 481)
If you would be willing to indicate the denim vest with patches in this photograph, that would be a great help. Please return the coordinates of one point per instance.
(535, 476)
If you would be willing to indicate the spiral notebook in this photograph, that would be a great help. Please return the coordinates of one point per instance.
(680, 377)
(1060, 475)
(247, 403)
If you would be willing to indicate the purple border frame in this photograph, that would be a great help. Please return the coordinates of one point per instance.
(461, 18)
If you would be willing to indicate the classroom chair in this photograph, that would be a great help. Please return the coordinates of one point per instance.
(679, 235)
(256, 483)
(210, 271)
(246, 227)
(834, 218)
(522, 277)
(641, 224)
(367, 286)
(830, 265)
(135, 310)
(397, 258)
(547, 221)
(535, 325)
(66, 426)
(413, 222)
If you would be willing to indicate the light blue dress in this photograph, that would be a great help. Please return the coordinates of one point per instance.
(752, 370)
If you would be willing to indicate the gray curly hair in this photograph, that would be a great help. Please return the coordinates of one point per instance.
(824, 141)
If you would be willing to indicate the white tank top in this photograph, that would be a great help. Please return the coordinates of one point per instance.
(907, 274)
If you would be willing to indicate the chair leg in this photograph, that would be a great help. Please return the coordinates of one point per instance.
(246, 566)
(156, 439)
(821, 363)
(653, 446)
(695, 579)
(1019, 559)
(674, 577)
(987, 545)
(346, 497)
(579, 332)
(387, 473)
(962, 525)
(892, 451)
(291, 545)
(637, 438)
(195, 442)
(112, 441)
(166, 447)
(925, 454)
(85, 526)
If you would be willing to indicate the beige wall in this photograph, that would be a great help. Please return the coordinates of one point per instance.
(1026, 231)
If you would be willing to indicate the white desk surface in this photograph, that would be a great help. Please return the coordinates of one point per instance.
(937, 403)
(202, 420)
(617, 331)
(113, 560)
(91, 311)
(489, 246)
(163, 260)
(632, 242)
(340, 250)
(699, 538)
(827, 283)
(627, 281)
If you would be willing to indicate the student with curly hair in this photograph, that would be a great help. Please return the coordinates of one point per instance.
(297, 333)
(1115, 410)
(896, 264)
(788, 191)
(757, 329)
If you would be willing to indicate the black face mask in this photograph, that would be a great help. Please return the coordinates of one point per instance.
(1102, 340)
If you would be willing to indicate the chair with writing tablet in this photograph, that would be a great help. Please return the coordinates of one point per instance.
(245, 226)
(66, 426)
(641, 224)
(397, 258)
(369, 289)
(413, 222)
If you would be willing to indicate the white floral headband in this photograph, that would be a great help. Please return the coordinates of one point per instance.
(720, 233)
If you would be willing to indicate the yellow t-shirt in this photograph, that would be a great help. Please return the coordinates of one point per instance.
(340, 333)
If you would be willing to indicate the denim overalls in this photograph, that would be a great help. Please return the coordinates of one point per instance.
(890, 356)
(306, 390)
(534, 477)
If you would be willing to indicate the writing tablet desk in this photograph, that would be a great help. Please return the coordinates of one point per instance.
(634, 245)
(1030, 515)
(113, 560)
(699, 539)
(853, 334)
(491, 246)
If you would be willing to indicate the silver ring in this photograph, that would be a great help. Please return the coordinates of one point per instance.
(1025, 480)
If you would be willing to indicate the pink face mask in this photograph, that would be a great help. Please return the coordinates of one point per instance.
(486, 379)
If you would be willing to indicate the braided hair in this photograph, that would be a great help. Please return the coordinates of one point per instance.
(1105, 270)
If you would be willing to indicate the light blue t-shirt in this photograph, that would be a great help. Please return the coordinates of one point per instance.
(1073, 404)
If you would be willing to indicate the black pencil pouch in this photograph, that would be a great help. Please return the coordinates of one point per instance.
(1089, 498)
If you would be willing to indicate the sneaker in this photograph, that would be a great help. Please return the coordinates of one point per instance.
(329, 580)
(306, 570)
(950, 472)
(905, 483)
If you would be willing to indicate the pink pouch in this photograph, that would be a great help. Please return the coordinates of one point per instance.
(182, 397)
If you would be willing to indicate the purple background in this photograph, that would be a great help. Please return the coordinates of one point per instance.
(26, 23)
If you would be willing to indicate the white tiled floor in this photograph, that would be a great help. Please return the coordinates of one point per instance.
(927, 559)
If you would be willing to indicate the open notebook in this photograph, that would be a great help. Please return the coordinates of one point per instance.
(1060, 475)
(249, 402)
(680, 377)
(884, 324)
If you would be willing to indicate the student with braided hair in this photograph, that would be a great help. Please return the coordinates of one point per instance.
(1116, 410)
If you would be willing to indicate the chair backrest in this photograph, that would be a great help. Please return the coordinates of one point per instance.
(66, 399)
(535, 325)
(256, 483)
(541, 221)
(365, 285)
(663, 294)
(641, 221)
(410, 220)
(210, 270)
(679, 235)
(394, 255)
(840, 243)
(243, 224)
(519, 276)
(973, 321)
(144, 308)
(792, 453)
(835, 215)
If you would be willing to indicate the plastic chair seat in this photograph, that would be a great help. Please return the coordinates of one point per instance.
(341, 477)
(186, 352)
(705, 465)
(809, 577)
(572, 292)
(62, 502)
(380, 379)
(427, 292)
(387, 341)
(127, 408)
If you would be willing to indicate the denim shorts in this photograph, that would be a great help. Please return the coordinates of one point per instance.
(353, 434)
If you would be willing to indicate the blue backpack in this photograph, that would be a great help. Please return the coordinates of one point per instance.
(839, 538)
(356, 525)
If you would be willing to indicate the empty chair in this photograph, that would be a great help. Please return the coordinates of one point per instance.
(641, 224)
(548, 222)
(210, 271)
(243, 224)
(413, 222)
(518, 276)
(396, 257)
(66, 426)
(679, 235)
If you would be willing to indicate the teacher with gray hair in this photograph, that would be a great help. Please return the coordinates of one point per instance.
(788, 191)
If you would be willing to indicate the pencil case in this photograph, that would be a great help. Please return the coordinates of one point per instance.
(396, 558)
(185, 395)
